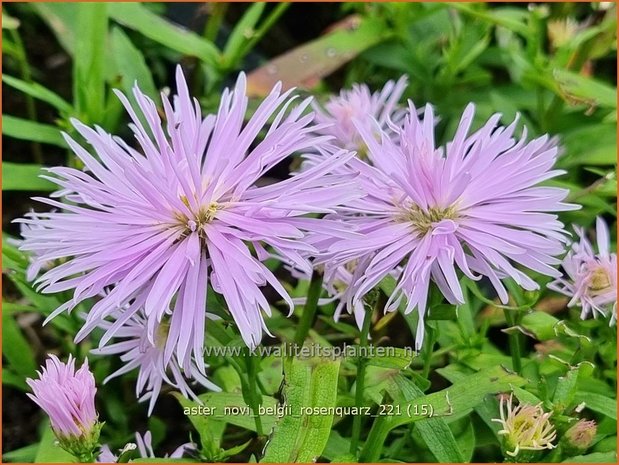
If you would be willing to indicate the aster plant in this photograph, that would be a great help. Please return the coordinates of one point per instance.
(155, 226)
(476, 205)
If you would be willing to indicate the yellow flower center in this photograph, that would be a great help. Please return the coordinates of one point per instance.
(599, 280)
(423, 220)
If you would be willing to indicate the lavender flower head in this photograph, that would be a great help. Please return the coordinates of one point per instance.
(67, 396)
(138, 352)
(159, 224)
(358, 103)
(591, 278)
(475, 206)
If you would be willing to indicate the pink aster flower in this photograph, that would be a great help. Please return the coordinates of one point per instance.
(360, 106)
(139, 352)
(160, 223)
(591, 277)
(476, 206)
(67, 396)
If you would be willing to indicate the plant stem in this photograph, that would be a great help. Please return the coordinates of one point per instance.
(309, 311)
(264, 27)
(428, 351)
(360, 383)
(26, 75)
(213, 23)
(254, 395)
(514, 340)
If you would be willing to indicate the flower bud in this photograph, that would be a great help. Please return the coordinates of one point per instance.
(68, 397)
(580, 436)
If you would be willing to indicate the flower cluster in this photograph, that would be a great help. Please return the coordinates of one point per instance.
(145, 233)
(149, 231)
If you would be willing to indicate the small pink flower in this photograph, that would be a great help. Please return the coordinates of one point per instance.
(590, 278)
(67, 396)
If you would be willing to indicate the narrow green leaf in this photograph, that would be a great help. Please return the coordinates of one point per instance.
(566, 386)
(153, 26)
(539, 325)
(305, 65)
(131, 66)
(243, 31)
(458, 399)
(581, 89)
(24, 177)
(596, 457)
(22, 455)
(210, 431)
(243, 415)
(434, 431)
(299, 436)
(598, 403)
(16, 348)
(9, 378)
(39, 92)
(89, 60)
(19, 128)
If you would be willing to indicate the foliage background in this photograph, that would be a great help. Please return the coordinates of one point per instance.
(554, 64)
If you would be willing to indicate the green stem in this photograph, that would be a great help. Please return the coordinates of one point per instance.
(264, 27)
(431, 339)
(214, 21)
(309, 311)
(360, 383)
(254, 395)
(514, 340)
(26, 75)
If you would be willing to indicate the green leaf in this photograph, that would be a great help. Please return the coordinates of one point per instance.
(582, 89)
(300, 437)
(89, 60)
(131, 66)
(594, 144)
(39, 92)
(10, 378)
(153, 26)
(598, 403)
(16, 348)
(19, 128)
(210, 431)
(22, 455)
(49, 450)
(460, 398)
(434, 431)
(539, 325)
(305, 65)
(566, 386)
(24, 177)
(596, 457)
(241, 33)
(243, 418)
